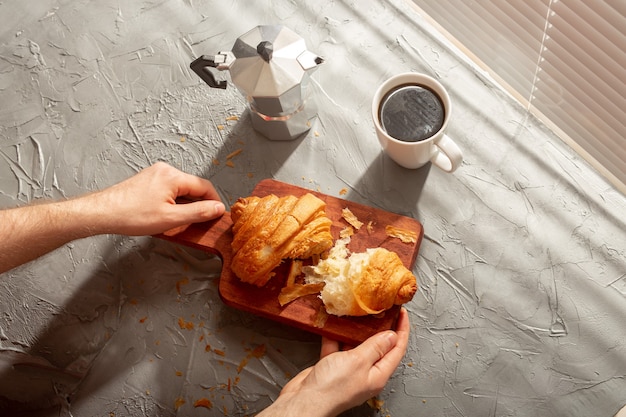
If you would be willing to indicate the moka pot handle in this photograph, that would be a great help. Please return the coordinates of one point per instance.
(204, 65)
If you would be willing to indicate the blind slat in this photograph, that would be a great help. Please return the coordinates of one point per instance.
(601, 97)
(613, 161)
(567, 58)
(579, 35)
(587, 124)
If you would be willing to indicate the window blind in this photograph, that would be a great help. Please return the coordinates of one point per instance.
(564, 59)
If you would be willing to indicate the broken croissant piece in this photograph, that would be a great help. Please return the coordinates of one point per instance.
(363, 283)
(269, 229)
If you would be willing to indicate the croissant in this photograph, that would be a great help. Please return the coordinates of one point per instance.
(363, 283)
(269, 229)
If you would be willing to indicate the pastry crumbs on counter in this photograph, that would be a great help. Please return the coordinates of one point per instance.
(203, 402)
(343, 191)
(375, 403)
(179, 373)
(230, 164)
(250, 175)
(216, 161)
(183, 139)
(234, 153)
(242, 364)
(219, 352)
(257, 352)
(232, 118)
(220, 127)
(180, 283)
(179, 403)
(207, 348)
(143, 319)
(185, 324)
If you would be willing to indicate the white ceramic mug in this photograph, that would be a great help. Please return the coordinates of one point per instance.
(438, 148)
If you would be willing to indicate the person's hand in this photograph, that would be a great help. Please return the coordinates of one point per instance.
(146, 203)
(344, 379)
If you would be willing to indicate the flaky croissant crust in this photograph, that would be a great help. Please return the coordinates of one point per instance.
(383, 282)
(269, 229)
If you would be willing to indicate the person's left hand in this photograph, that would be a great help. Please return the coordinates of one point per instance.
(146, 203)
(344, 379)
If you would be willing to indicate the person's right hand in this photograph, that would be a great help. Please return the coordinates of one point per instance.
(146, 203)
(344, 379)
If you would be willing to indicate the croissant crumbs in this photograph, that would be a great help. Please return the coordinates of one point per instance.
(348, 216)
(406, 236)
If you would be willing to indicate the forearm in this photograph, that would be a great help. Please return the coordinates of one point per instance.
(29, 232)
(298, 404)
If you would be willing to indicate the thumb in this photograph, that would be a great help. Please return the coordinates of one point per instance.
(377, 346)
(200, 211)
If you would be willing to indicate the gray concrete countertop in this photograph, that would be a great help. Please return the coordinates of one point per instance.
(522, 270)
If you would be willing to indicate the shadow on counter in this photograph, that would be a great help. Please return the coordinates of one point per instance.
(390, 187)
(85, 335)
(118, 338)
(241, 161)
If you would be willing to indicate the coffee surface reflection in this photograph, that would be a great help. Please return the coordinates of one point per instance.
(411, 113)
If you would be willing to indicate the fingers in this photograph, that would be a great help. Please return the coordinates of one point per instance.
(184, 184)
(376, 347)
(328, 346)
(392, 358)
(403, 326)
(197, 188)
(385, 350)
(199, 211)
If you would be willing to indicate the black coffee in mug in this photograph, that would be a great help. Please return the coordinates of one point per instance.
(411, 113)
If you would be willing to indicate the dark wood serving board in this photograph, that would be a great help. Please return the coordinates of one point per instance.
(216, 237)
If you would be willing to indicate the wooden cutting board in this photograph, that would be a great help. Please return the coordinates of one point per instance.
(304, 313)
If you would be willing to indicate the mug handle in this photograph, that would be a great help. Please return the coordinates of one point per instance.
(447, 155)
